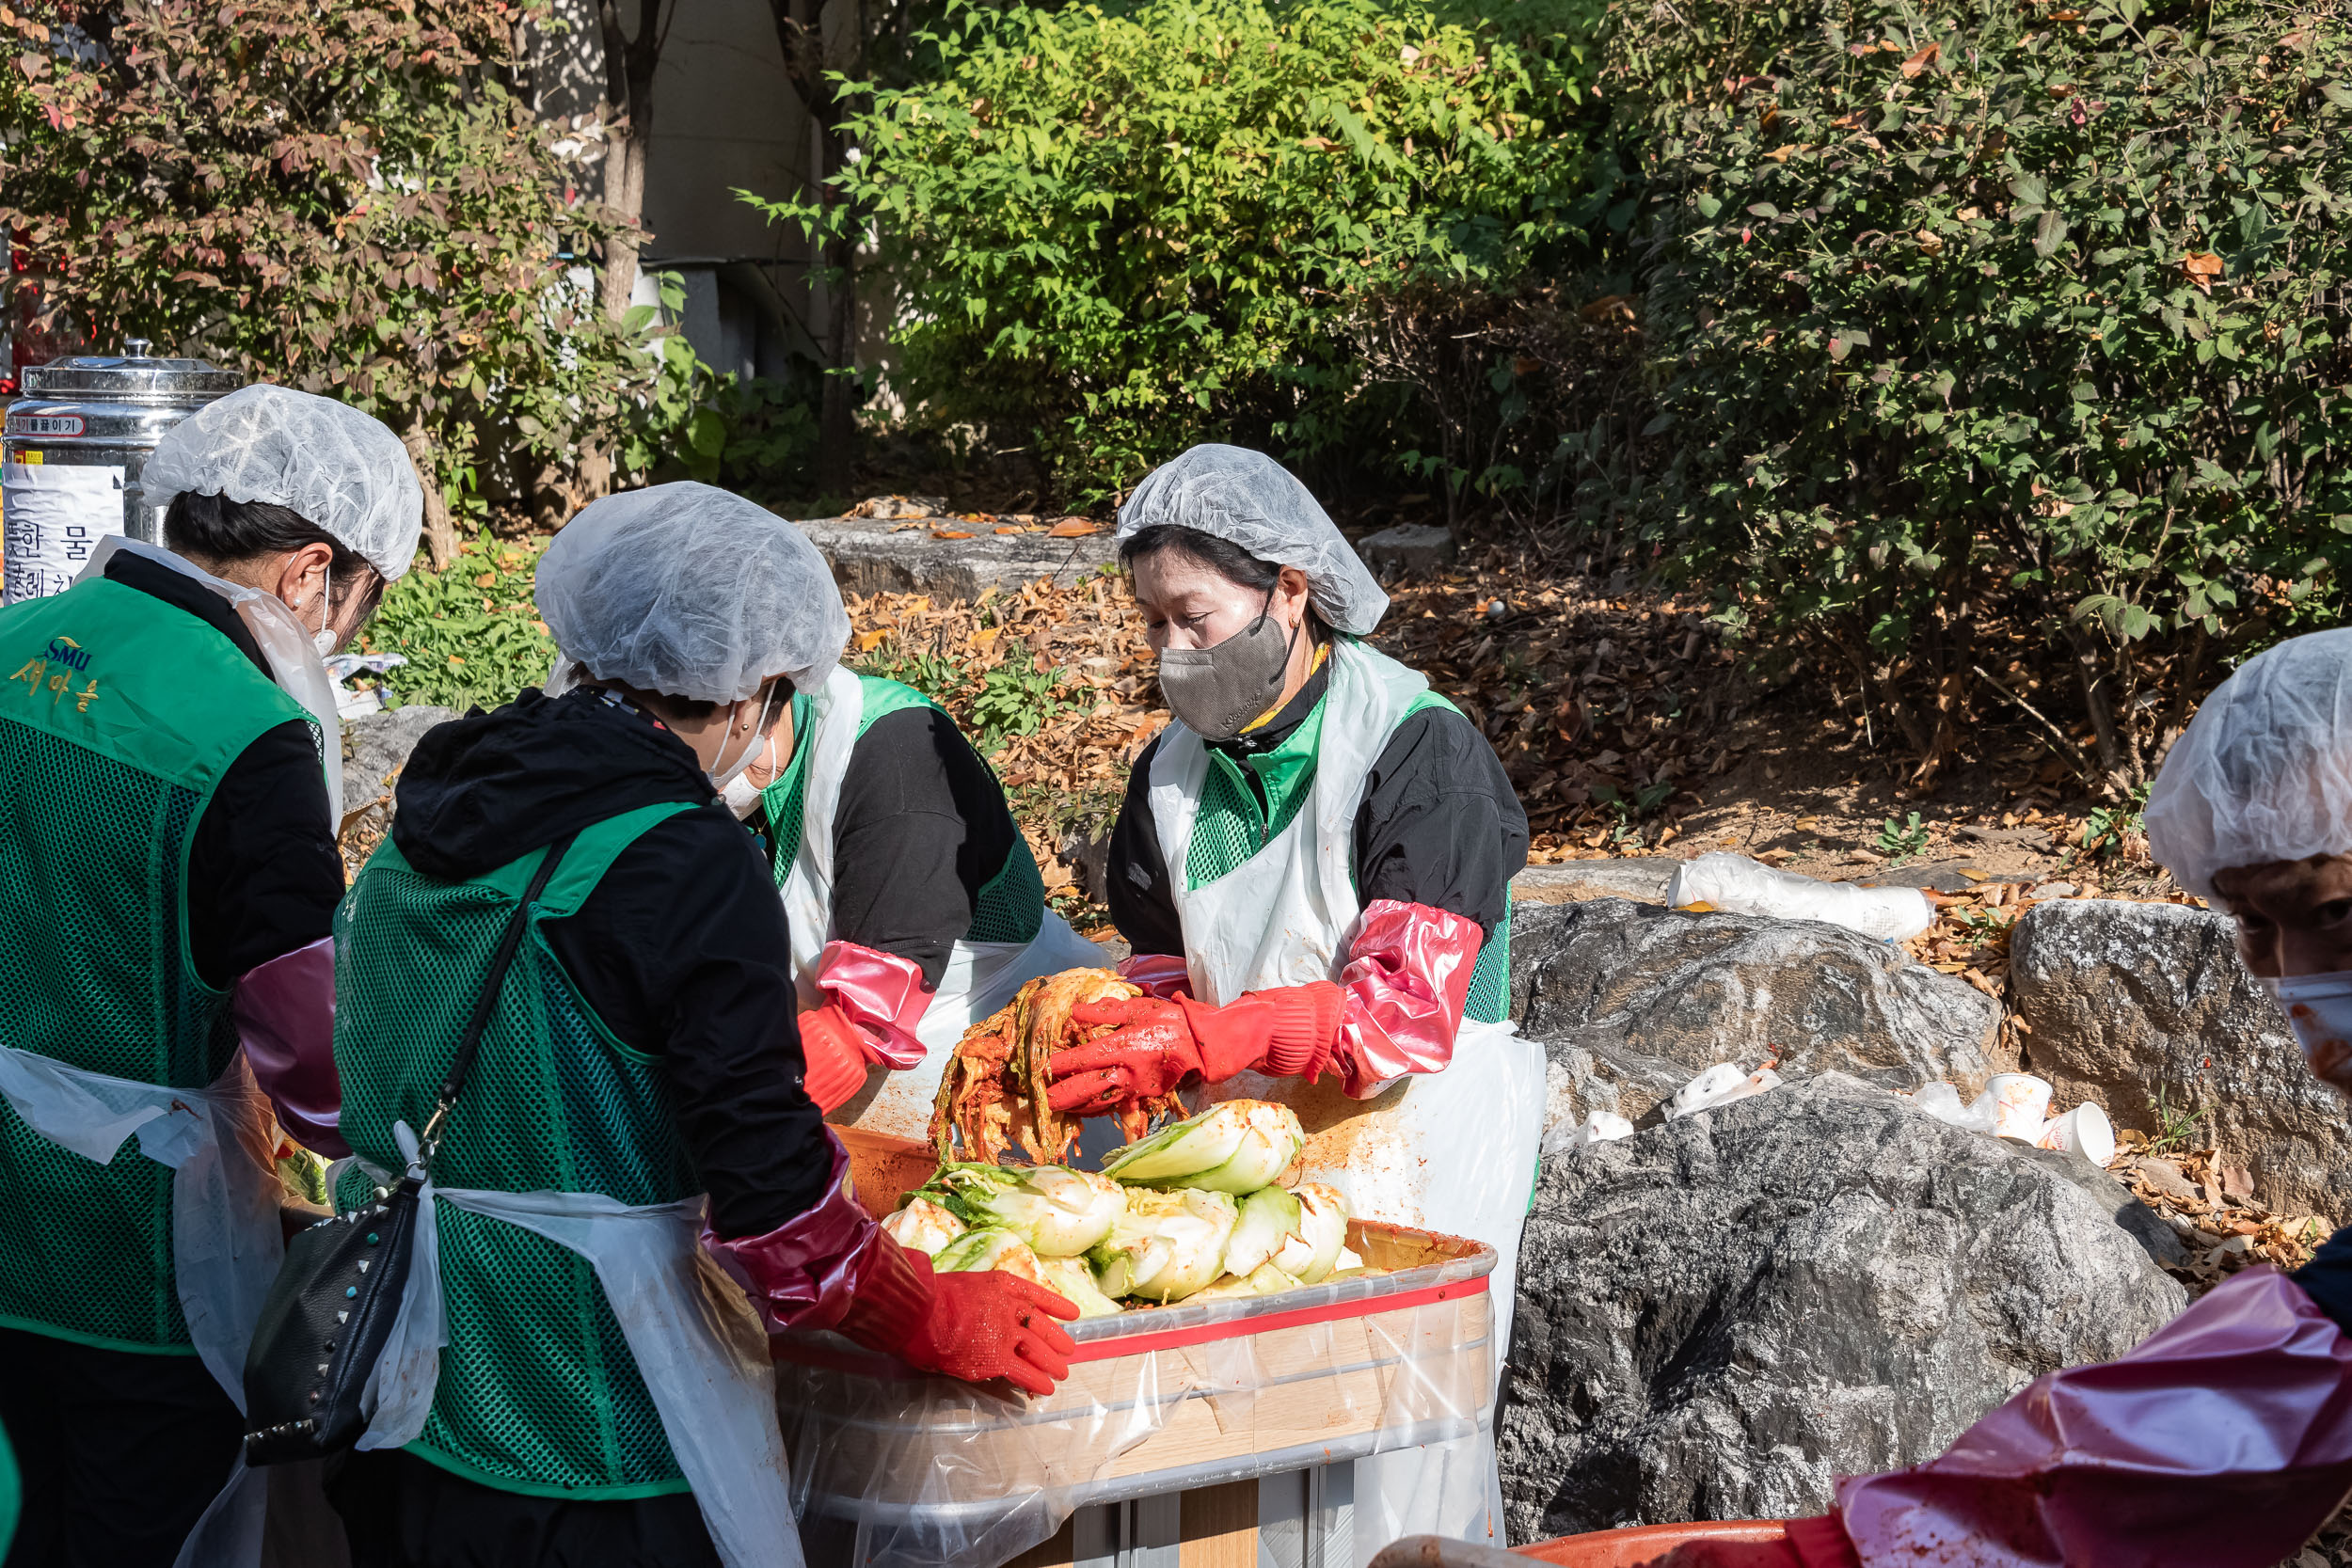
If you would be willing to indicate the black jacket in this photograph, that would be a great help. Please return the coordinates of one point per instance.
(681, 948)
(264, 873)
(917, 802)
(1439, 824)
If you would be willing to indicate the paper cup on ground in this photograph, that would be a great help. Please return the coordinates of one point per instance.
(2021, 1104)
(2084, 1129)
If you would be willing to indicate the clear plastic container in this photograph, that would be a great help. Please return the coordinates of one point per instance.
(892, 1466)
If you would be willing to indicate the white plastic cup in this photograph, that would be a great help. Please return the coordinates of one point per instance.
(1701, 1091)
(2020, 1104)
(2084, 1129)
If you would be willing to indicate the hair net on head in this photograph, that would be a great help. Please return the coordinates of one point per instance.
(691, 592)
(1248, 498)
(2265, 770)
(342, 469)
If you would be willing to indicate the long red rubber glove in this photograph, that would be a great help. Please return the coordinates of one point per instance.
(832, 1266)
(873, 1002)
(1159, 1044)
(1818, 1542)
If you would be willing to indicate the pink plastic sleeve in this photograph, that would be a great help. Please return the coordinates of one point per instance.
(1407, 979)
(881, 993)
(809, 1270)
(2221, 1442)
(284, 1012)
(1160, 974)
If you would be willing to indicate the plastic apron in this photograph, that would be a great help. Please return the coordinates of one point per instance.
(697, 1342)
(980, 976)
(285, 644)
(1452, 1151)
(225, 1246)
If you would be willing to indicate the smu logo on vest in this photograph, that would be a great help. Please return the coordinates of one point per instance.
(53, 668)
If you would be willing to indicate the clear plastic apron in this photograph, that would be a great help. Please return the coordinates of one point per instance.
(226, 1244)
(293, 660)
(696, 1341)
(980, 976)
(1452, 1151)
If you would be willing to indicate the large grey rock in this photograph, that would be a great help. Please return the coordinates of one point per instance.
(1407, 549)
(1717, 1316)
(877, 555)
(2125, 1003)
(1632, 1001)
(376, 748)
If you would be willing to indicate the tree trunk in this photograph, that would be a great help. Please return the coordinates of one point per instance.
(2089, 669)
(799, 33)
(440, 530)
(630, 63)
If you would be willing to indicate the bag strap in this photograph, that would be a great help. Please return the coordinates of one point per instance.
(510, 942)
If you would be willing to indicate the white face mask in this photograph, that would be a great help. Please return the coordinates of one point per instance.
(723, 777)
(324, 640)
(2319, 1010)
(742, 795)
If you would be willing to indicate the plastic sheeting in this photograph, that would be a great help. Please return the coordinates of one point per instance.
(2220, 1442)
(695, 1339)
(895, 1469)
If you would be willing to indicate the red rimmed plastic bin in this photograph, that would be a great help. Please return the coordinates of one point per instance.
(1164, 1406)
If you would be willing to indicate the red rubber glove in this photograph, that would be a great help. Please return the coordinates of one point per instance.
(834, 1050)
(974, 1325)
(1157, 1044)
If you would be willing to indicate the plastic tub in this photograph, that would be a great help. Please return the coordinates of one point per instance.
(1159, 1401)
(1628, 1548)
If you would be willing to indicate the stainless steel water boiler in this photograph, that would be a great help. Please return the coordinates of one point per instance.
(76, 445)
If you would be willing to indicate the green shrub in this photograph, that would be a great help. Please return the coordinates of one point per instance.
(471, 634)
(1988, 330)
(346, 196)
(1115, 233)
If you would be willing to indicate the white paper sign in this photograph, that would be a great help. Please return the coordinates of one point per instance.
(55, 515)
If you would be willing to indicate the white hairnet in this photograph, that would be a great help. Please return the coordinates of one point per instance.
(2265, 770)
(1248, 498)
(691, 592)
(342, 469)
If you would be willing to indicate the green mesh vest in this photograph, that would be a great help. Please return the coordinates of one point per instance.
(118, 716)
(1230, 827)
(538, 1392)
(1012, 905)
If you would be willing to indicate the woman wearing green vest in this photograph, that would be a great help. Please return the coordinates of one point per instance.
(167, 838)
(915, 907)
(1314, 866)
(638, 1099)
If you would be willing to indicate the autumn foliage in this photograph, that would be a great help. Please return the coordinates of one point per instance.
(348, 196)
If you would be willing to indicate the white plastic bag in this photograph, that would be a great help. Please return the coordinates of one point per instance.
(1738, 885)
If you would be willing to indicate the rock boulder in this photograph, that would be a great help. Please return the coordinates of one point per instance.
(1632, 1001)
(2130, 1004)
(1718, 1314)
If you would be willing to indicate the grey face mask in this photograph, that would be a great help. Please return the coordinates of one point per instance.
(1217, 690)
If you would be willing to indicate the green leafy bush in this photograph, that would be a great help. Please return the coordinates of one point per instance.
(347, 196)
(696, 422)
(471, 634)
(1115, 233)
(1988, 331)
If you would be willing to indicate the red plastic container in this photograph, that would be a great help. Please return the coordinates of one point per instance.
(1629, 1549)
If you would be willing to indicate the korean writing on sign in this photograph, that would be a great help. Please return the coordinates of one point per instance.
(55, 515)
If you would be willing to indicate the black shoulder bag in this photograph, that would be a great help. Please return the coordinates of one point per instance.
(336, 1296)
